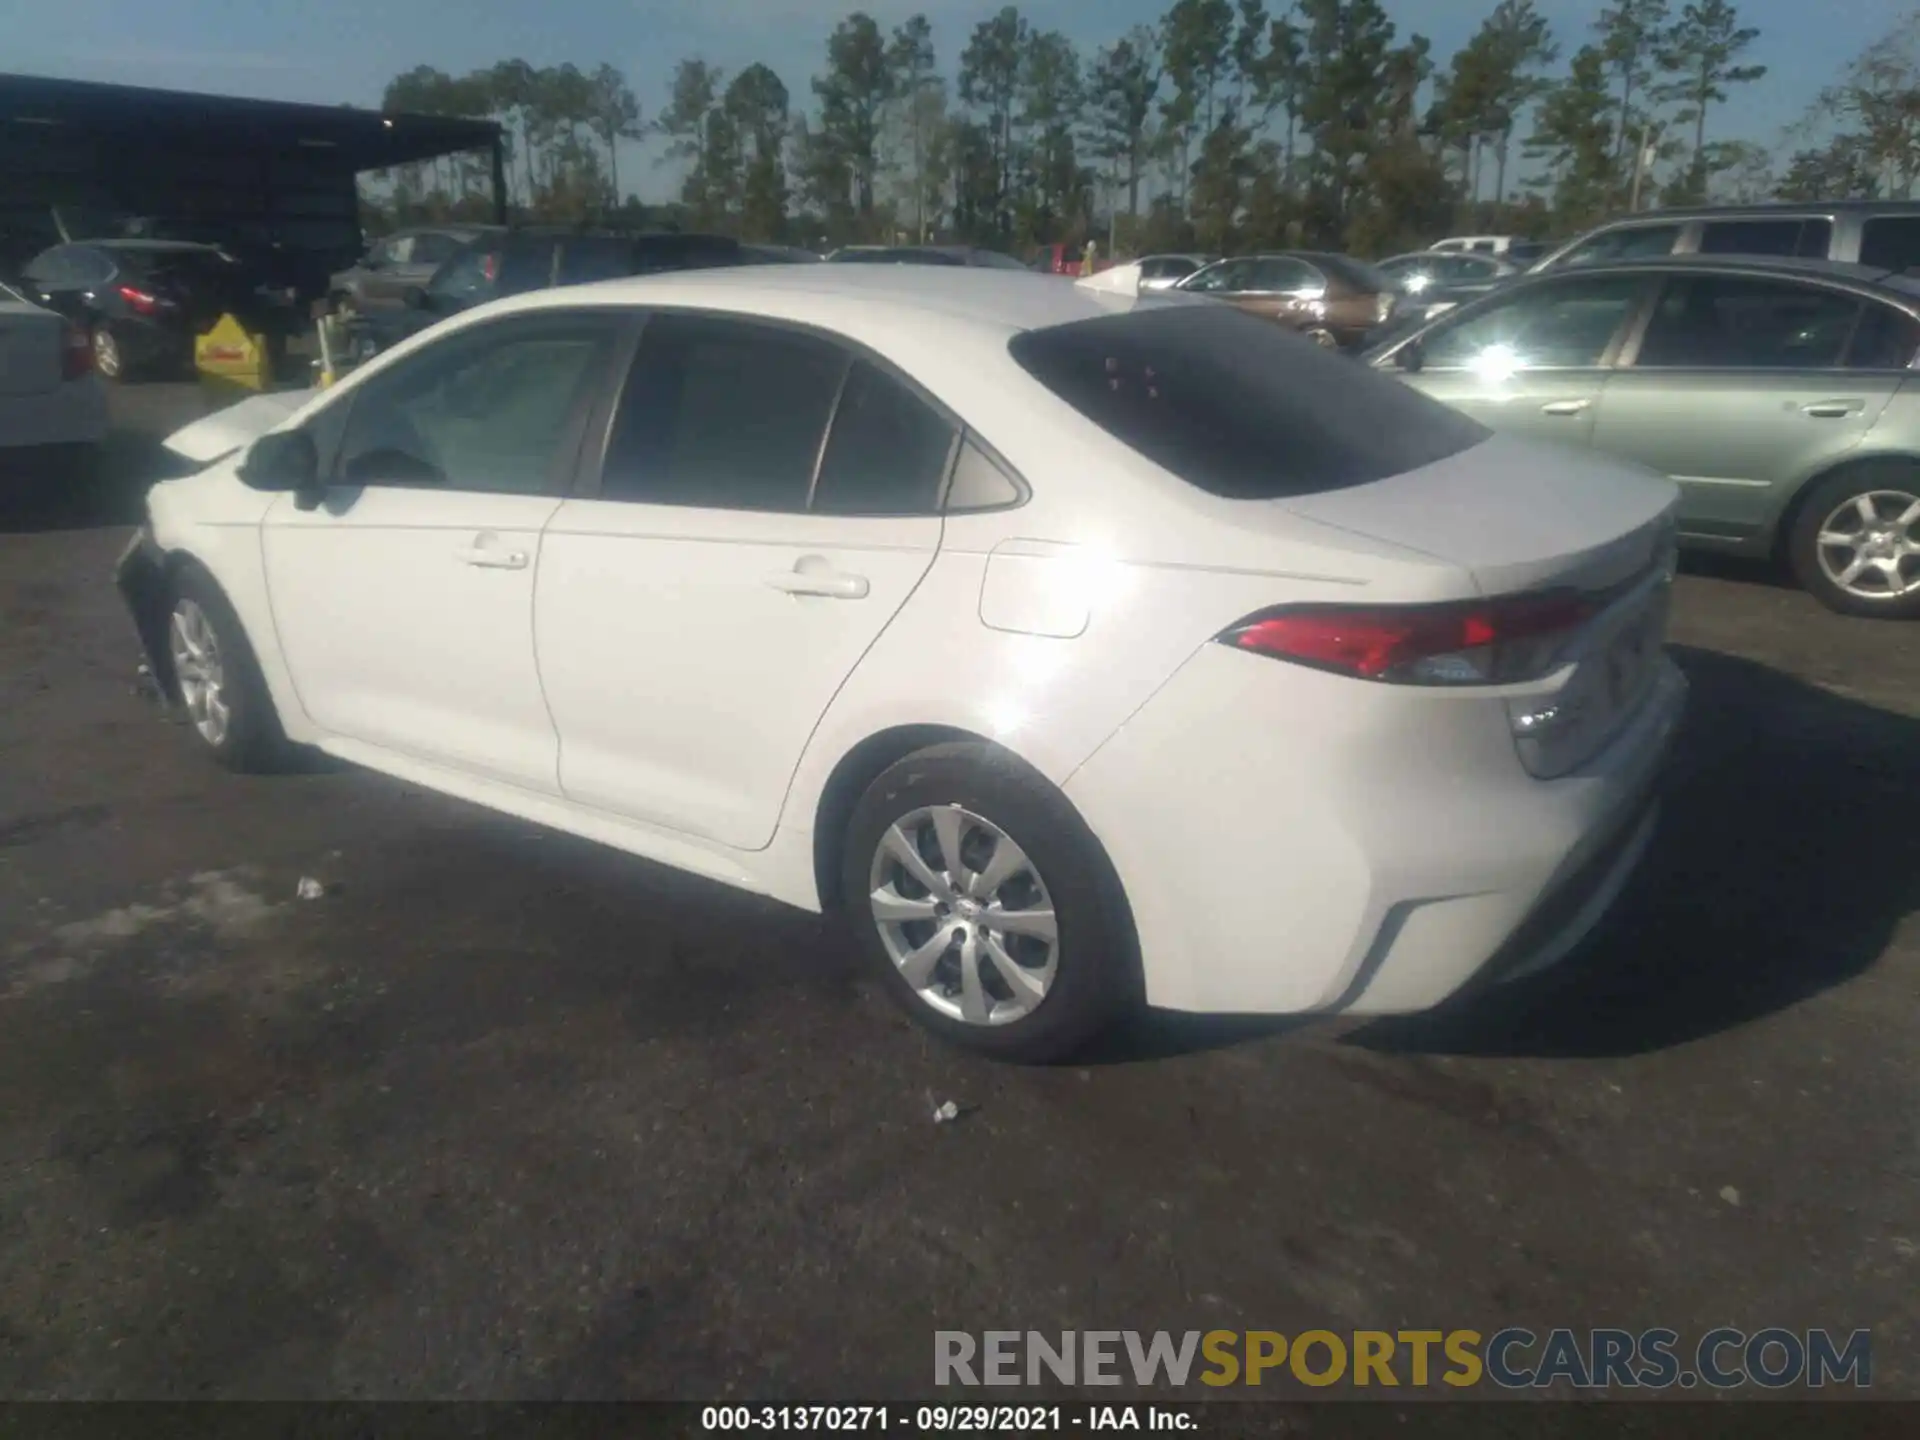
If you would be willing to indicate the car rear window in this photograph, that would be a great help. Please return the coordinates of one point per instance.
(1357, 273)
(1240, 407)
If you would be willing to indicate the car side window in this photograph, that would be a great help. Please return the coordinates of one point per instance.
(1280, 275)
(887, 450)
(1565, 324)
(89, 267)
(1229, 275)
(1625, 242)
(1891, 242)
(1739, 322)
(490, 409)
(47, 270)
(1885, 339)
(432, 249)
(723, 414)
(1809, 237)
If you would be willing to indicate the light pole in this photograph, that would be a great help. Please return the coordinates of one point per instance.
(1642, 160)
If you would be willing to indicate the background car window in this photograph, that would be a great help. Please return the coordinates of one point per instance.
(887, 452)
(50, 270)
(1886, 339)
(1240, 407)
(1562, 325)
(92, 267)
(1278, 275)
(528, 265)
(485, 410)
(1891, 242)
(1227, 275)
(1165, 269)
(1629, 242)
(723, 414)
(1747, 323)
(433, 249)
(586, 260)
(1808, 237)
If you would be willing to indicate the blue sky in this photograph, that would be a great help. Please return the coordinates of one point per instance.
(335, 51)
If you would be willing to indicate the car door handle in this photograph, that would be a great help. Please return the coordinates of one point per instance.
(487, 558)
(1565, 407)
(1833, 409)
(831, 584)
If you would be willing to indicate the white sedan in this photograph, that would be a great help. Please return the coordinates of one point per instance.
(1082, 647)
(53, 409)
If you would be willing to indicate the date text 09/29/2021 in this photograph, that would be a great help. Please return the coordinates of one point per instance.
(948, 1419)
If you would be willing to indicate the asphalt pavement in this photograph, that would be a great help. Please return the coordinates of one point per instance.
(504, 1115)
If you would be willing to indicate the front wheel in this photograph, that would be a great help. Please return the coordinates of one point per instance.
(218, 680)
(1856, 544)
(986, 904)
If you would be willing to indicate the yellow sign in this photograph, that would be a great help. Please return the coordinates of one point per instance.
(228, 357)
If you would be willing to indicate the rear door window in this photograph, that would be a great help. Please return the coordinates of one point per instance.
(1737, 322)
(1808, 237)
(1280, 275)
(1238, 406)
(1222, 278)
(1886, 339)
(723, 414)
(1891, 242)
(887, 452)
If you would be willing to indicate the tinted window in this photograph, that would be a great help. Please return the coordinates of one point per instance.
(51, 269)
(1238, 406)
(468, 279)
(1225, 275)
(721, 413)
(486, 410)
(1766, 237)
(1280, 274)
(993, 260)
(1629, 242)
(1567, 324)
(527, 265)
(1886, 339)
(587, 260)
(1165, 268)
(887, 452)
(432, 249)
(1891, 242)
(1718, 321)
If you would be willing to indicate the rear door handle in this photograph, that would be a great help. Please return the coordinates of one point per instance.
(1565, 407)
(1833, 409)
(488, 558)
(831, 584)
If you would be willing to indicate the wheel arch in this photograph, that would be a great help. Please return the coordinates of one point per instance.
(1790, 513)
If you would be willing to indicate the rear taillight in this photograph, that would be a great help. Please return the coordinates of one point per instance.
(490, 267)
(1478, 642)
(76, 354)
(138, 300)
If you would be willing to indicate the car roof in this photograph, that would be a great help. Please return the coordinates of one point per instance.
(1000, 302)
(1781, 208)
(1809, 267)
(153, 247)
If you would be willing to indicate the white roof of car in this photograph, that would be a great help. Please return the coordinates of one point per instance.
(1002, 302)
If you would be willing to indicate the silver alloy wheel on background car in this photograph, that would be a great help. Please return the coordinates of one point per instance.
(1870, 545)
(964, 915)
(106, 353)
(200, 671)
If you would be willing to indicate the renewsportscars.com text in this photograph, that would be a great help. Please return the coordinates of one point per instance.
(1511, 1359)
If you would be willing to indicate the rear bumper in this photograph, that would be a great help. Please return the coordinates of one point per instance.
(54, 425)
(1294, 842)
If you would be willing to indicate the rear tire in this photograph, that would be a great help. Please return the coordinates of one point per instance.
(1849, 548)
(1042, 925)
(217, 680)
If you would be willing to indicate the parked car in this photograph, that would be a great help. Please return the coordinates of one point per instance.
(402, 261)
(1432, 282)
(1001, 690)
(53, 411)
(500, 263)
(1883, 234)
(1334, 300)
(1501, 245)
(143, 302)
(1780, 394)
(948, 255)
(1163, 272)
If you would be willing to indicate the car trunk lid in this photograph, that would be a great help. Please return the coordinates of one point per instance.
(32, 349)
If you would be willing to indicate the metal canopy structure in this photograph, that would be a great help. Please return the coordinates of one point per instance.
(262, 169)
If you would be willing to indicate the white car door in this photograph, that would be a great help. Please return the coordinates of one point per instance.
(766, 504)
(404, 600)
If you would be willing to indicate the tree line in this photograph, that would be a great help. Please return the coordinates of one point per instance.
(1229, 124)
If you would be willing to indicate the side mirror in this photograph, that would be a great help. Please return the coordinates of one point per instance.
(1410, 357)
(285, 461)
(414, 298)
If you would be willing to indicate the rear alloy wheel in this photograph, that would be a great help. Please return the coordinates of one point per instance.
(107, 358)
(988, 907)
(1856, 546)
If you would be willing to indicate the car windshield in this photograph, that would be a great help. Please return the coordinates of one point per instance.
(1238, 406)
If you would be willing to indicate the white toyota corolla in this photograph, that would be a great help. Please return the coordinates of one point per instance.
(1082, 647)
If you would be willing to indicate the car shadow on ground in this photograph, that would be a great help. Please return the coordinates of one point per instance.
(1786, 860)
(111, 495)
(1782, 867)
